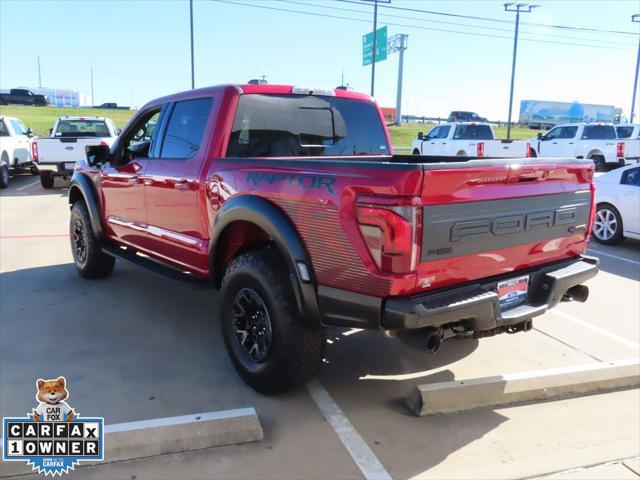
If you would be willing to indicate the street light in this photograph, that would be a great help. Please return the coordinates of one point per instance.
(518, 8)
(635, 18)
(398, 43)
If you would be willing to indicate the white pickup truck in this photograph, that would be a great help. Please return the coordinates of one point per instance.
(467, 139)
(630, 134)
(67, 142)
(18, 149)
(596, 141)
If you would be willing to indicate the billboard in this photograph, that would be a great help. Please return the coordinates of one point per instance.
(61, 97)
(541, 113)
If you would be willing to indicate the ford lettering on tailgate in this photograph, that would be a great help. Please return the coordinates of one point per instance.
(465, 228)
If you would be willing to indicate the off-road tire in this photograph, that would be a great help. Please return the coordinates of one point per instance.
(416, 152)
(296, 348)
(4, 176)
(46, 179)
(94, 263)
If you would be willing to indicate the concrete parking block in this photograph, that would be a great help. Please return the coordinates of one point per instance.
(147, 438)
(460, 395)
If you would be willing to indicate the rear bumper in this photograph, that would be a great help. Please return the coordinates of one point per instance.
(57, 168)
(477, 307)
(474, 306)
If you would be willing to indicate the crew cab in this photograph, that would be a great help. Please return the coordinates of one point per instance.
(464, 139)
(67, 142)
(22, 96)
(630, 134)
(594, 141)
(18, 148)
(289, 200)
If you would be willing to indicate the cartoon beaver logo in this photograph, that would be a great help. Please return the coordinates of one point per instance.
(52, 407)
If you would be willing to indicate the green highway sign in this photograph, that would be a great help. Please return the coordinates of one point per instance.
(381, 46)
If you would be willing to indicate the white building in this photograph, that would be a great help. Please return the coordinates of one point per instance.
(61, 97)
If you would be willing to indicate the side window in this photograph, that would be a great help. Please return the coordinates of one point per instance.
(624, 132)
(568, 132)
(631, 177)
(554, 133)
(434, 133)
(4, 132)
(138, 140)
(183, 137)
(444, 132)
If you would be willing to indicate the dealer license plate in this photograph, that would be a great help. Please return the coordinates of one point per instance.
(70, 166)
(513, 292)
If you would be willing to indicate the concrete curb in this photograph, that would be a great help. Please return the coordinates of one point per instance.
(456, 396)
(147, 438)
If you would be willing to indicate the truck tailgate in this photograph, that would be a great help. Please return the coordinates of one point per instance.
(484, 218)
(66, 149)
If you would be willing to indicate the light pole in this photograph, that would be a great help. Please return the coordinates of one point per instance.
(398, 43)
(518, 8)
(375, 27)
(635, 18)
(93, 102)
(193, 78)
(39, 75)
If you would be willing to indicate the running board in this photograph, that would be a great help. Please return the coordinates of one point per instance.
(155, 266)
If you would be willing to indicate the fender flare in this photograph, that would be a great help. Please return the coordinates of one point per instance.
(267, 216)
(81, 185)
(593, 153)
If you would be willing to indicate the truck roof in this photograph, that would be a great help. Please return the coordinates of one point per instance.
(584, 124)
(266, 89)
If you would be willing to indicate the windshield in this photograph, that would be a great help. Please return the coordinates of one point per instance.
(82, 128)
(305, 125)
(473, 132)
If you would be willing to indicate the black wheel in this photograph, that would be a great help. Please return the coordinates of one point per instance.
(599, 162)
(607, 226)
(4, 176)
(416, 152)
(271, 348)
(46, 179)
(90, 260)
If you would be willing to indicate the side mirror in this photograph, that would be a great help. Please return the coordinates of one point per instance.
(97, 154)
(29, 132)
(539, 135)
(420, 136)
(50, 131)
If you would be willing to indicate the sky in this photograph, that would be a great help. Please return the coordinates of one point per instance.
(140, 49)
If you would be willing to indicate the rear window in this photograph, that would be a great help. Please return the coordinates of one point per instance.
(624, 132)
(305, 125)
(473, 132)
(599, 132)
(82, 128)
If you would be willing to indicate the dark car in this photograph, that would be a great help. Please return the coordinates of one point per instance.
(460, 116)
(24, 97)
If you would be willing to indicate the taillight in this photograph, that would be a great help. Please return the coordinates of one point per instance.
(480, 149)
(104, 144)
(620, 149)
(592, 216)
(528, 150)
(34, 151)
(392, 235)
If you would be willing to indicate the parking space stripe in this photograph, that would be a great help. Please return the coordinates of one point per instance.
(360, 452)
(50, 235)
(24, 187)
(617, 257)
(594, 328)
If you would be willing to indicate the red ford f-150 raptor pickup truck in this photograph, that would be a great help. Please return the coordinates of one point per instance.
(290, 201)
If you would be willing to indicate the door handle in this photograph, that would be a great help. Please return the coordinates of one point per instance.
(571, 143)
(555, 143)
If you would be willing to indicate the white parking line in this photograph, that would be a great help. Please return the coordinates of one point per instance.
(617, 257)
(24, 187)
(360, 452)
(594, 328)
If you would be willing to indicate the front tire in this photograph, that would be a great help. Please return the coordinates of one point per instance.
(46, 179)
(599, 162)
(271, 348)
(88, 257)
(607, 226)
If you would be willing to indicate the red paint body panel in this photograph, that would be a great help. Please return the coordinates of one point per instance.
(179, 220)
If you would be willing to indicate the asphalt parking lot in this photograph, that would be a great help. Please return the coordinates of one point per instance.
(137, 346)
